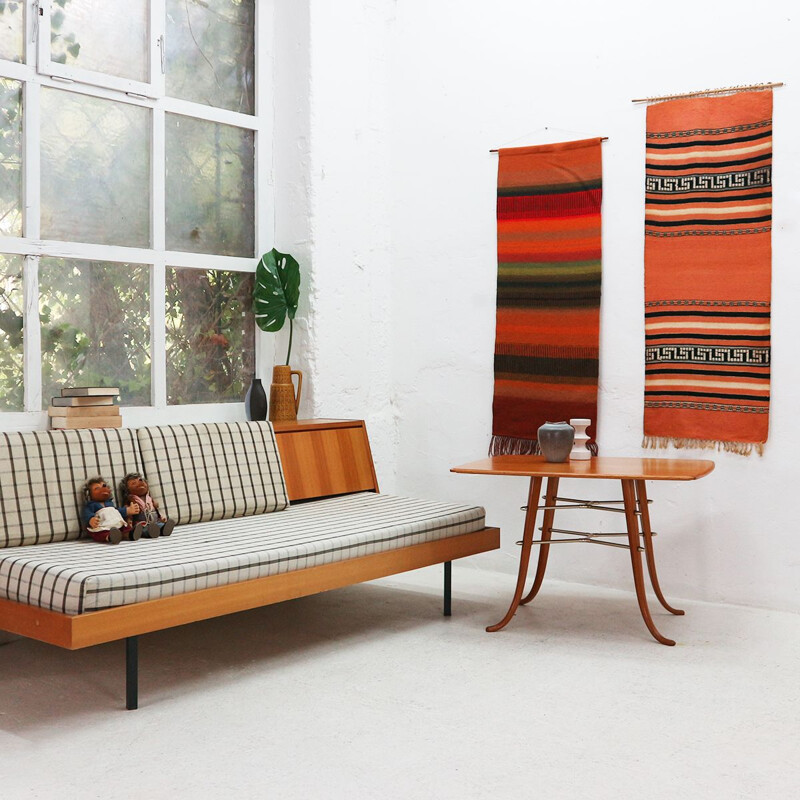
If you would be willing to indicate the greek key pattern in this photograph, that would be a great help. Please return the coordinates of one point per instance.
(757, 303)
(710, 131)
(699, 354)
(710, 182)
(706, 406)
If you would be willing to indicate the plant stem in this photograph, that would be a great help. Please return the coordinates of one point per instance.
(289, 351)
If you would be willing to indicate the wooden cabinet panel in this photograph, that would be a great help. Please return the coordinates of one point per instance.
(325, 457)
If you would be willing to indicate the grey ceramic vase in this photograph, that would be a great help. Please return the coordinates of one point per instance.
(555, 441)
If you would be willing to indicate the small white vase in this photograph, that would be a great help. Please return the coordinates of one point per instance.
(579, 450)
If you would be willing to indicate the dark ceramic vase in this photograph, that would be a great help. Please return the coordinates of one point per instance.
(555, 441)
(255, 401)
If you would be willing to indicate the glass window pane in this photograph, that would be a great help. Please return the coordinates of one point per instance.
(210, 335)
(10, 158)
(210, 45)
(11, 29)
(95, 327)
(108, 36)
(11, 306)
(210, 179)
(95, 170)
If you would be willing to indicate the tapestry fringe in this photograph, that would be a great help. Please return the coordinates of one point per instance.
(740, 448)
(512, 446)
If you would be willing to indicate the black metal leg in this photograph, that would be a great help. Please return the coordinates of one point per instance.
(132, 673)
(448, 580)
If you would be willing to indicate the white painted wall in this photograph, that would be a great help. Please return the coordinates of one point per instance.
(333, 190)
(405, 99)
(467, 77)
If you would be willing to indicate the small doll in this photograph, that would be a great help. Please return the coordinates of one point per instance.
(134, 490)
(103, 521)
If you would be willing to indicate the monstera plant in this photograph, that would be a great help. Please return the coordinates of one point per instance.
(276, 293)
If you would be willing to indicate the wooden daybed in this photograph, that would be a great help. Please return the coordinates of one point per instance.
(325, 464)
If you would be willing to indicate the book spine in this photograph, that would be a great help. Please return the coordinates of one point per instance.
(92, 422)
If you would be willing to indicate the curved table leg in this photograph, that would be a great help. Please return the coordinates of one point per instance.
(629, 496)
(525, 554)
(641, 493)
(547, 532)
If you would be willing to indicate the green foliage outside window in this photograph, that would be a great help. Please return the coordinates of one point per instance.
(210, 335)
(10, 157)
(95, 327)
(11, 371)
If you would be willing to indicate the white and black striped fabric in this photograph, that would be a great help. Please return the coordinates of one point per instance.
(42, 474)
(205, 472)
(74, 577)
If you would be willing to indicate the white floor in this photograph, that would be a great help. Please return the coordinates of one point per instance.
(368, 692)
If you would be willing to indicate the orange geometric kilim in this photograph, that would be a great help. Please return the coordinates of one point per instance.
(548, 290)
(707, 272)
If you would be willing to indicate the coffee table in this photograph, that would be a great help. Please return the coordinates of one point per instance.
(632, 473)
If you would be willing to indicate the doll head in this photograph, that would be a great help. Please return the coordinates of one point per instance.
(133, 485)
(96, 490)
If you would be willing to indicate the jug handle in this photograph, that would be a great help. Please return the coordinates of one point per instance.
(299, 387)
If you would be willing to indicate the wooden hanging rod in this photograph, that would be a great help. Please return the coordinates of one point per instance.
(749, 88)
(497, 149)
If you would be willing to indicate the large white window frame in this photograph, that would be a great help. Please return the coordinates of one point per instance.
(150, 95)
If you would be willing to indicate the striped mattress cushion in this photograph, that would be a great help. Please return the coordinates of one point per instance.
(205, 472)
(73, 577)
(42, 474)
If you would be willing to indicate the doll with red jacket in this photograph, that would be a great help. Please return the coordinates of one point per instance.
(134, 490)
(104, 521)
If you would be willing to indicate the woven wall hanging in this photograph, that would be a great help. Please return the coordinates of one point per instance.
(708, 212)
(548, 290)
(707, 272)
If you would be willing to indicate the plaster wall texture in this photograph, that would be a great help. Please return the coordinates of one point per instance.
(333, 176)
(464, 81)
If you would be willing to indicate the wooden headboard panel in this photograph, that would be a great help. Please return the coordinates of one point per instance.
(323, 457)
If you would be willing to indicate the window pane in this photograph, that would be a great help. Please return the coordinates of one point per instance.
(210, 200)
(11, 29)
(10, 158)
(108, 36)
(11, 306)
(210, 46)
(210, 335)
(95, 170)
(95, 323)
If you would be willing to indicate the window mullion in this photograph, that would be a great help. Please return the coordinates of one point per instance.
(158, 279)
(158, 13)
(31, 230)
(32, 337)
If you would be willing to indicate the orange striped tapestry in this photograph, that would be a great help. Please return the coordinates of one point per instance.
(707, 272)
(548, 290)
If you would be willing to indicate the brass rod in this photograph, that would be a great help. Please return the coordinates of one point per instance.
(590, 506)
(581, 500)
(585, 541)
(588, 533)
(498, 149)
(753, 87)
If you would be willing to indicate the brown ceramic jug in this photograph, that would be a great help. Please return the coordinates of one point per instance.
(283, 403)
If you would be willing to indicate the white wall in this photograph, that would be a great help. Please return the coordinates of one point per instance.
(405, 100)
(333, 190)
(469, 76)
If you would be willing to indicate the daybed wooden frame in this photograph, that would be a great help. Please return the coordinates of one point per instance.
(320, 458)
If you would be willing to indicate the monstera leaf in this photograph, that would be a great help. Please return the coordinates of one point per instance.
(277, 292)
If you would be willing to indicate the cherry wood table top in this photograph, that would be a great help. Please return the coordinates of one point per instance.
(650, 469)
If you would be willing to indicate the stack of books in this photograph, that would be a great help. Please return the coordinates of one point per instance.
(85, 407)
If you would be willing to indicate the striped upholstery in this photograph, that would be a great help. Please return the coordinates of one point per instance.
(41, 475)
(200, 473)
(73, 577)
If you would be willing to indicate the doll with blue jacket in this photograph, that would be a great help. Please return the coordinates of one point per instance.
(104, 521)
